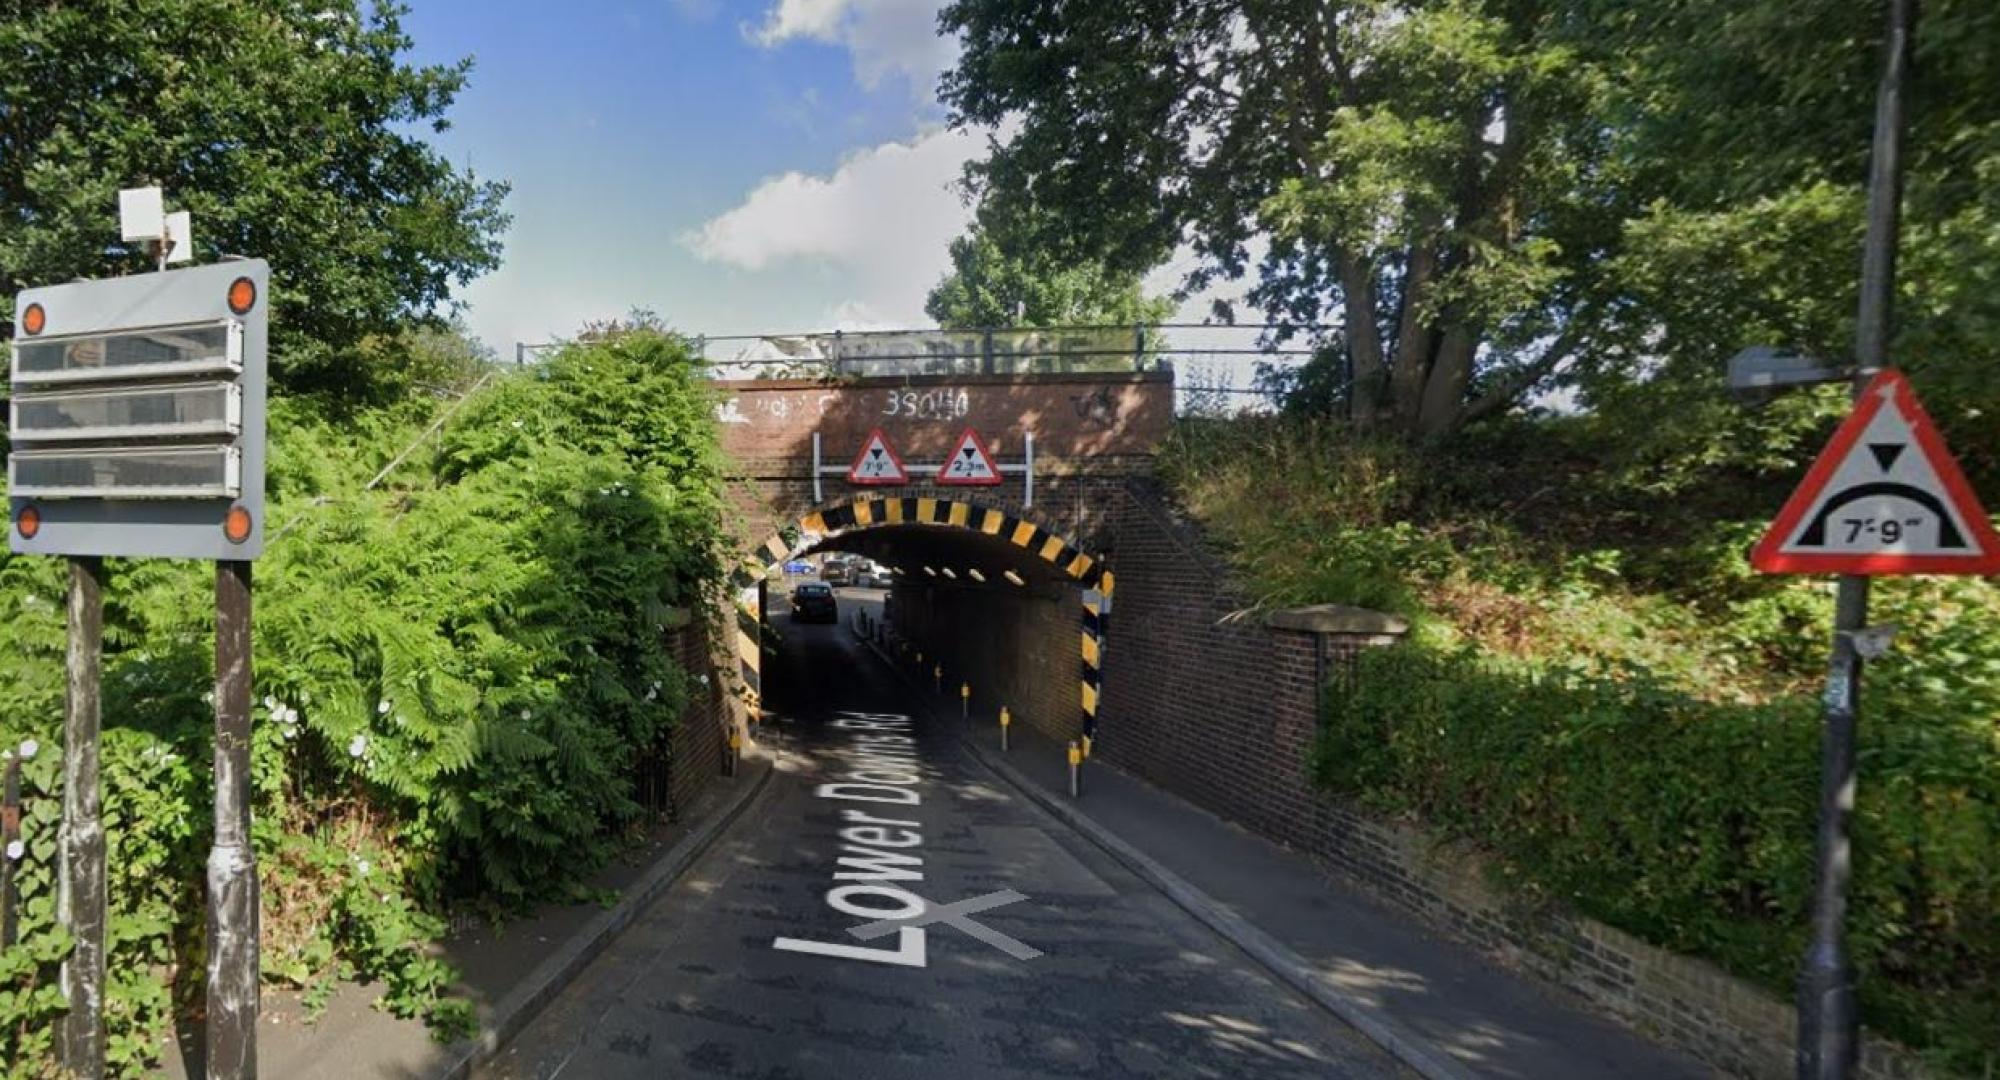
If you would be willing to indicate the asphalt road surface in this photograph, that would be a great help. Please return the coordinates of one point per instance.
(746, 967)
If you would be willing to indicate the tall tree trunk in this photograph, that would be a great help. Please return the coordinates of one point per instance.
(1364, 340)
(1416, 339)
(1444, 392)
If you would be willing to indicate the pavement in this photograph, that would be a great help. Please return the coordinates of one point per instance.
(1036, 953)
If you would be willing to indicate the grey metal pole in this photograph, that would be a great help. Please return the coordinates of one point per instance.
(232, 863)
(1829, 1023)
(80, 885)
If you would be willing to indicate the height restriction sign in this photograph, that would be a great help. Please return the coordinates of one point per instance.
(1884, 497)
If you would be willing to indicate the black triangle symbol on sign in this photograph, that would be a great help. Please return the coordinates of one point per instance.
(968, 452)
(875, 451)
(1885, 453)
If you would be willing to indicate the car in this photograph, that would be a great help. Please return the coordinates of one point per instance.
(813, 601)
(872, 576)
(798, 568)
(836, 572)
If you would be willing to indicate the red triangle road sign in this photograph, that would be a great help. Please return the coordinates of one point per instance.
(969, 463)
(877, 463)
(1884, 497)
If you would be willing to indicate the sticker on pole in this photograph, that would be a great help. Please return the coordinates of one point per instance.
(970, 463)
(877, 463)
(1884, 497)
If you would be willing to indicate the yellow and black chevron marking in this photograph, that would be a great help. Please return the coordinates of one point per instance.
(1084, 569)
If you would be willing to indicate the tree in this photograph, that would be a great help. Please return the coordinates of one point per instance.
(1431, 175)
(992, 283)
(283, 127)
(1747, 127)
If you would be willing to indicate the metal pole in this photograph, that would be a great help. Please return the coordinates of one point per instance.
(1028, 492)
(1829, 1023)
(232, 863)
(817, 497)
(80, 886)
(1075, 769)
(10, 834)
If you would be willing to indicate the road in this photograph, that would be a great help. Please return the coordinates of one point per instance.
(745, 968)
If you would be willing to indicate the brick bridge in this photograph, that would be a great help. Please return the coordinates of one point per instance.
(1016, 552)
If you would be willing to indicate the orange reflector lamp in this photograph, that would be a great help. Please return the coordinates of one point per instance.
(29, 522)
(242, 295)
(236, 525)
(34, 319)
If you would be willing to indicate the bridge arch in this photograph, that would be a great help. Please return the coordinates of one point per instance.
(1063, 557)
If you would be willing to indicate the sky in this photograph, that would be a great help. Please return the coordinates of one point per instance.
(735, 167)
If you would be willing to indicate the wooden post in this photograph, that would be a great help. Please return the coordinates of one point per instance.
(80, 887)
(10, 834)
(232, 863)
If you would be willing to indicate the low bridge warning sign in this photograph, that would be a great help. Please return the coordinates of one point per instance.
(1884, 497)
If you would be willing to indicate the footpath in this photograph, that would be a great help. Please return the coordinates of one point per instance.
(509, 971)
(1438, 1005)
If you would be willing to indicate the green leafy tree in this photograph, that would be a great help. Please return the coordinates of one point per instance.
(993, 282)
(1747, 127)
(284, 127)
(1433, 176)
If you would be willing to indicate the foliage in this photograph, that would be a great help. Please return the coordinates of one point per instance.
(456, 673)
(1601, 691)
(997, 278)
(285, 128)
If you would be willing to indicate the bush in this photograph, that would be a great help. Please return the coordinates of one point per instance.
(455, 674)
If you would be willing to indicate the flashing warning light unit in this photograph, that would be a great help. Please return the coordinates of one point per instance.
(136, 425)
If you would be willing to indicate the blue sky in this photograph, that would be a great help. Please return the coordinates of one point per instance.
(763, 165)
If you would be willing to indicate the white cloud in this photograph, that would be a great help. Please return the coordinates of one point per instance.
(883, 221)
(884, 37)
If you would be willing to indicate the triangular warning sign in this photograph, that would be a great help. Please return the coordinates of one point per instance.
(877, 463)
(1885, 497)
(970, 463)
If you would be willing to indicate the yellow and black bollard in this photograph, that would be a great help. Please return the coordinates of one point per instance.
(735, 751)
(1005, 719)
(965, 701)
(1075, 769)
(937, 679)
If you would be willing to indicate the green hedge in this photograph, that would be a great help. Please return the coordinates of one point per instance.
(454, 675)
(1690, 822)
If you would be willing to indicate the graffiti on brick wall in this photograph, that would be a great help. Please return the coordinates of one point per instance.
(944, 403)
(1096, 409)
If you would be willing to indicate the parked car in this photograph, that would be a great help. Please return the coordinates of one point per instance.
(798, 567)
(872, 576)
(813, 601)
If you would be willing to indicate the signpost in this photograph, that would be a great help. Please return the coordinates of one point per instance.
(136, 429)
(1811, 539)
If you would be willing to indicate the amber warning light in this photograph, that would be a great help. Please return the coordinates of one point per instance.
(29, 522)
(34, 319)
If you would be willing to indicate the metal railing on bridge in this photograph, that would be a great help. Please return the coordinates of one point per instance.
(1217, 368)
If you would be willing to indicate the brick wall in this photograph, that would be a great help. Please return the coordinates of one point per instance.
(1016, 646)
(672, 774)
